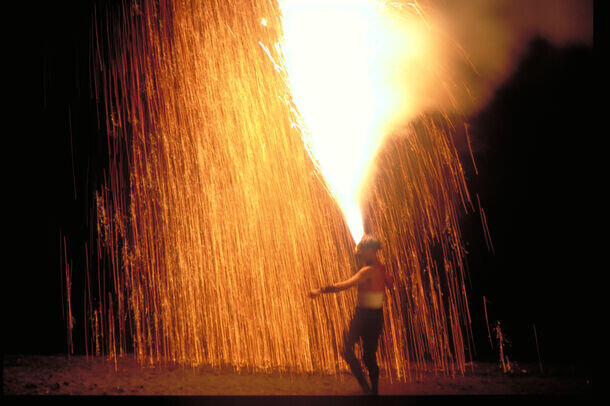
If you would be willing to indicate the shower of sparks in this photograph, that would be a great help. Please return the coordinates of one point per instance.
(214, 220)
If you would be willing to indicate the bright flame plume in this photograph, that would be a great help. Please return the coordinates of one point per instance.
(348, 72)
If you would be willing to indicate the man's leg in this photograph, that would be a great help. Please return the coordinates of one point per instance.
(354, 332)
(370, 341)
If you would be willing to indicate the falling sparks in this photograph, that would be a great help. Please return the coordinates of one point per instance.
(215, 217)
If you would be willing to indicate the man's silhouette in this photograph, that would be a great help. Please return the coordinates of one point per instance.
(367, 321)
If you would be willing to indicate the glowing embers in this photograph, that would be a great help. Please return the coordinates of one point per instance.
(214, 228)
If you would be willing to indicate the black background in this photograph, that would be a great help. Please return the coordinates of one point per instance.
(532, 146)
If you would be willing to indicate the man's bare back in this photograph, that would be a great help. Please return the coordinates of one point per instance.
(377, 279)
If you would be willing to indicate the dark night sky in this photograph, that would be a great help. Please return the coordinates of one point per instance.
(532, 142)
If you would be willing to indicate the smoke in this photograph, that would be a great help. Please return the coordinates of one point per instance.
(474, 45)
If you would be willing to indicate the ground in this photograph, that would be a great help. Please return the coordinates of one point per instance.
(79, 375)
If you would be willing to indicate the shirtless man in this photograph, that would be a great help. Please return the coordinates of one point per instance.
(367, 321)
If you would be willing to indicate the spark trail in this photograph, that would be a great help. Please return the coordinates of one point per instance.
(214, 220)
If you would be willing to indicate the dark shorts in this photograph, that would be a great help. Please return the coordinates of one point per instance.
(366, 324)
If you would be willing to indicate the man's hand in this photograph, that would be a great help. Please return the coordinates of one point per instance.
(314, 292)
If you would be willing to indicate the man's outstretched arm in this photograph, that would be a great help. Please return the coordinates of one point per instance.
(360, 276)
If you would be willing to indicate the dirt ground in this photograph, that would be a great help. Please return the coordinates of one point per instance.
(77, 375)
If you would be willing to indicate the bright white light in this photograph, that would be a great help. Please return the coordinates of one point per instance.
(340, 58)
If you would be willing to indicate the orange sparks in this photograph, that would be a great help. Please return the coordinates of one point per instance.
(215, 219)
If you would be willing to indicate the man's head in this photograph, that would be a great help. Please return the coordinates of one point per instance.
(367, 247)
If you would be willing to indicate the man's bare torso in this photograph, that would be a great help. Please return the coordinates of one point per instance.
(376, 280)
